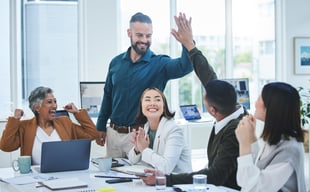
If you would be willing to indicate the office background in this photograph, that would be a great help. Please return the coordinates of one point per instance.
(99, 34)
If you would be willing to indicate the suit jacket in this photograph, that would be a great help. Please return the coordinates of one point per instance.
(202, 68)
(169, 149)
(223, 150)
(21, 133)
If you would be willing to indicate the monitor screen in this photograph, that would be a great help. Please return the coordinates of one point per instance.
(242, 89)
(91, 96)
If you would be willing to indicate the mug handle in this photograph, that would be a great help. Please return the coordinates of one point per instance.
(95, 163)
(15, 165)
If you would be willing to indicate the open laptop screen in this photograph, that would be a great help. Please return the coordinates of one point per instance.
(190, 112)
(68, 155)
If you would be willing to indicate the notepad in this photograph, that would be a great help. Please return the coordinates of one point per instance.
(132, 169)
(66, 183)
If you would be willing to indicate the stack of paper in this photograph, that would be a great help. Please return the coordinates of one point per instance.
(66, 183)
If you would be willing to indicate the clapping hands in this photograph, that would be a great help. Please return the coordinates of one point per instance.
(140, 140)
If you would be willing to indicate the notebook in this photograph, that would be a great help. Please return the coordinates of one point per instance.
(62, 184)
(190, 112)
(65, 155)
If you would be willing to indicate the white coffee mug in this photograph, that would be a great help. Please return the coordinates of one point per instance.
(103, 164)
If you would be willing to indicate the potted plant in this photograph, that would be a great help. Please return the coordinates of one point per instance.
(305, 113)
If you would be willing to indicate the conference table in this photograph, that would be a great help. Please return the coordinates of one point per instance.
(15, 182)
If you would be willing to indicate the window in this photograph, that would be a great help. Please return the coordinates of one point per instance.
(5, 93)
(51, 49)
(236, 46)
(208, 23)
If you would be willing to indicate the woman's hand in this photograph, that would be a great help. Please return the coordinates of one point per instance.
(245, 134)
(142, 140)
(18, 113)
(71, 108)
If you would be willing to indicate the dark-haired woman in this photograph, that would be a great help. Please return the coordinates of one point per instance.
(278, 165)
(161, 142)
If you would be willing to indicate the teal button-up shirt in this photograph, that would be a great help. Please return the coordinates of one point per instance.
(126, 81)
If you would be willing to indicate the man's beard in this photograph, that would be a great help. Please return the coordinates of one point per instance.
(140, 51)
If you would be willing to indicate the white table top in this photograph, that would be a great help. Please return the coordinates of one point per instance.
(85, 175)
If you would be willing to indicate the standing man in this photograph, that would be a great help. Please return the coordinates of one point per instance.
(129, 74)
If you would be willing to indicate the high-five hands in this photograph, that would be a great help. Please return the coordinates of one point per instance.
(184, 34)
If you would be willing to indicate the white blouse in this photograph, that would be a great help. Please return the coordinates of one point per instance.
(41, 137)
(251, 178)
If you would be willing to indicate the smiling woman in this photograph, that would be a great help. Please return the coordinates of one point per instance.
(161, 142)
(28, 135)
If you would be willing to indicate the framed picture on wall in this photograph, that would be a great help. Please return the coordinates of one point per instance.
(302, 55)
(91, 96)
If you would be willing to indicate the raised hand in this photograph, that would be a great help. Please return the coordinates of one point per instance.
(18, 113)
(71, 108)
(184, 33)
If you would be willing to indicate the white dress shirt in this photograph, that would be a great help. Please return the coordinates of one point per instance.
(222, 123)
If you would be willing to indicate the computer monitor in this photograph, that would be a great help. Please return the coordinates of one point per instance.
(242, 89)
(91, 96)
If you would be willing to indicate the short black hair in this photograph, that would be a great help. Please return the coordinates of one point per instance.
(140, 17)
(222, 95)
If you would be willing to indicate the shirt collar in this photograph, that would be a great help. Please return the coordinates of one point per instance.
(145, 58)
(222, 123)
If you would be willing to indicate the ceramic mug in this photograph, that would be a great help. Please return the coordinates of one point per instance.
(103, 164)
(22, 164)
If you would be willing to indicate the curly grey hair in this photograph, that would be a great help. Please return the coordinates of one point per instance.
(36, 97)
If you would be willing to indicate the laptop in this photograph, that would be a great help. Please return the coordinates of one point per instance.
(190, 112)
(68, 155)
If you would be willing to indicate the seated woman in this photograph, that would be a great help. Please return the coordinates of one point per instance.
(161, 142)
(28, 135)
(279, 164)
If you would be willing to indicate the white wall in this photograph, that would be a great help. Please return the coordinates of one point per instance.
(296, 23)
(101, 40)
